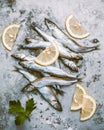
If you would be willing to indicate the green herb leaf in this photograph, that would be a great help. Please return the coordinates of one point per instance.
(22, 114)
(30, 106)
(15, 107)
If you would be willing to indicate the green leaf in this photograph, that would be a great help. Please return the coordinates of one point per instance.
(15, 107)
(19, 120)
(30, 106)
(21, 114)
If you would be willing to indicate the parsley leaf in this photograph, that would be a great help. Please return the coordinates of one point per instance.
(15, 107)
(22, 114)
(30, 106)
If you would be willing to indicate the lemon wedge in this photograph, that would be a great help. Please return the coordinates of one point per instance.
(88, 107)
(9, 35)
(48, 56)
(74, 28)
(78, 97)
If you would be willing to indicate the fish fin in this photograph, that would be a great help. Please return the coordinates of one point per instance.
(27, 40)
(60, 92)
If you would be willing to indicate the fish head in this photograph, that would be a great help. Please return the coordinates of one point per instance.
(54, 29)
(30, 40)
(18, 55)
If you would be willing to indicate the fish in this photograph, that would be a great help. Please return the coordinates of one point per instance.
(30, 77)
(66, 40)
(24, 58)
(47, 69)
(21, 56)
(47, 81)
(35, 44)
(30, 58)
(43, 34)
(51, 70)
(70, 64)
(46, 92)
(64, 52)
(57, 88)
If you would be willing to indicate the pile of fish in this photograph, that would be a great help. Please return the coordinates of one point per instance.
(52, 78)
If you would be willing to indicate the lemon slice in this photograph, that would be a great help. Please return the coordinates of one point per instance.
(74, 28)
(9, 35)
(78, 97)
(48, 56)
(88, 107)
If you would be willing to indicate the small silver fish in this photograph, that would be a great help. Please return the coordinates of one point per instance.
(21, 56)
(43, 34)
(28, 58)
(51, 70)
(65, 40)
(70, 64)
(46, 92)
(64, 52)
(47, 81)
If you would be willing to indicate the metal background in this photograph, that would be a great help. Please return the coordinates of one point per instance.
(91, 14)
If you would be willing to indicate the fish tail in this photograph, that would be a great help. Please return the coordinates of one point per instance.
(21, 47)
(59, 92)
(27, 40)
(46, 20)
(33, 25)
(30, 40)
(16, 69)
(29, 88)
(79, 77)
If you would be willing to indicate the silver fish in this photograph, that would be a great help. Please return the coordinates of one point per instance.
(30, 58)
(65, 40)
(21, 56)
(47, 81)
(30, 77)
(43, 34)
(64, 52)
(70, 64)
(36, 44)
(51, 70)
(46, 92)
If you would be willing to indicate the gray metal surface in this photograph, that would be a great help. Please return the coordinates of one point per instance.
(91, 14)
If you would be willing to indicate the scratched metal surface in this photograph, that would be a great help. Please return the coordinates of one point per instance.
(91, 14)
